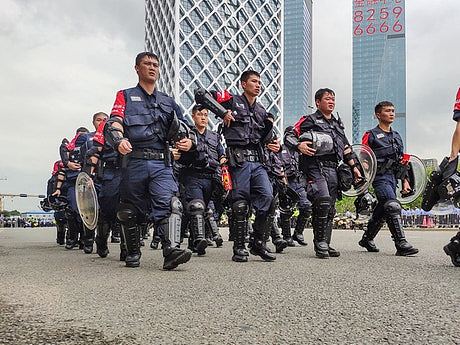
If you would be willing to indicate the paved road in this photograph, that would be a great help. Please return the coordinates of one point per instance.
(52, 296)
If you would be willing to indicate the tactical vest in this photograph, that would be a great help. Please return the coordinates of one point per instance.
(334, 128)
(207, 150)
(290, 162)
(386, 145)
(147, 118)
(248, 127)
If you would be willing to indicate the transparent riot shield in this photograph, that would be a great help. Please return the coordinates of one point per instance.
(418, 180)
(369, 163)
(87, 203)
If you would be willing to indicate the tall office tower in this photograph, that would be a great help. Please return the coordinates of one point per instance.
(297, 60)
(209, 43)
(379, 62)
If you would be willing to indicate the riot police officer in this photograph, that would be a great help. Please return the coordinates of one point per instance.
(388, 148)
(54, 184)
(247, 129)
(142, 125)
(297, 181)
(445, 183)
(199, 175)
(71, 159)
(322, 143)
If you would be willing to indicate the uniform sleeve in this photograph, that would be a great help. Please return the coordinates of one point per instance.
(220, 150)
(119, 106)
(302, 125)
(224, 98)
(98, 138)
(366, 138)
(457, 107)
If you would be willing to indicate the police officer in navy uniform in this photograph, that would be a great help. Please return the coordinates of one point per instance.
(72, 161)
(142, 125)
(199, 174)
(104, 164)
(297, 181)
(322, 142)
(247, 129)
(388, 147)
(54, 184)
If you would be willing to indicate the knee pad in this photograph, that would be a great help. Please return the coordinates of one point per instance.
(322, 206)
(305, 212)
(196, 207)
(392, 208)
(240, 210)
(176, 205)
(126, 213)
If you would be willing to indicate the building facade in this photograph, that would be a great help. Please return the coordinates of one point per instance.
(209, 43)
(297, 71)
(379, 63)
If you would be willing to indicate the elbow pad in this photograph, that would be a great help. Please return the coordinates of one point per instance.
(112, 134)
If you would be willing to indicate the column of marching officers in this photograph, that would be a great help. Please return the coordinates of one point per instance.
(153, 170)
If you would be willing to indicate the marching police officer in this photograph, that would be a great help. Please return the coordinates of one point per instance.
(445, 182)
(142, 125)
(55, 183)
(296, 180)
(322, 143)
(199, 175)
(388, 148)
(247, 129)
(71, 159)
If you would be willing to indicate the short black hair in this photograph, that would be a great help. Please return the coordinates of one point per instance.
(197, 107)
(380, 105)
(320, 93)
(100, 113)
(247, 74)
(140, 56)
(82, 130)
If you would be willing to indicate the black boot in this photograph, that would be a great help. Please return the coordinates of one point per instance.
(393, 217)
(333, 253)
(285, 219)
(373, 227)
(102, 236)
(170, 231)
(278, 242)
(173, 255)
(453, 250)
(60, 233)
(258, 247)
(72, 231)
(195, 211)
(116, 232)
(155, 242)
(127, 215)
(88, 241)
(239, 229)
(320, 220)
(211, 226)
(301, 223)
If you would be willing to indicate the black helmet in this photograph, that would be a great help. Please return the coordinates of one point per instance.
(365, 204)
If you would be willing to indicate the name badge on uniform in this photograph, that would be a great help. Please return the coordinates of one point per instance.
(136, 99)
(380, 136)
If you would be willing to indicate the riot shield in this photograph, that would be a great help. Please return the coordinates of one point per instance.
(87, 203)
(369, 163)
(417, 179)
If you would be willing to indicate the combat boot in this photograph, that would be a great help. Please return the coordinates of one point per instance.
(239, 225)
(116, 232)
(393, 216)
(88, 241)
(259, 246)
(333, 253)
(301, 223)
(279, 243)
(195, 211)
(103, 230)
(155, 242)
(60, 235)
(321, 209)
(213, 229)
(373, 227)
(453, 250)
(72, 233)
(285, 219)
(133, 250)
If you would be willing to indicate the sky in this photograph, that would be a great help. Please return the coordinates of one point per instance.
(62, 61)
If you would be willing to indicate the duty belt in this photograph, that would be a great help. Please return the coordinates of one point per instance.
(251, 155)
(148, 154)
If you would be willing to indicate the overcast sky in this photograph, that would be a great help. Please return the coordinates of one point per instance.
(62, 61)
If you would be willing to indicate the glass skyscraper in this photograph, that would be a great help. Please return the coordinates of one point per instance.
(297, 60)
(209, 43)
(379, 63)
